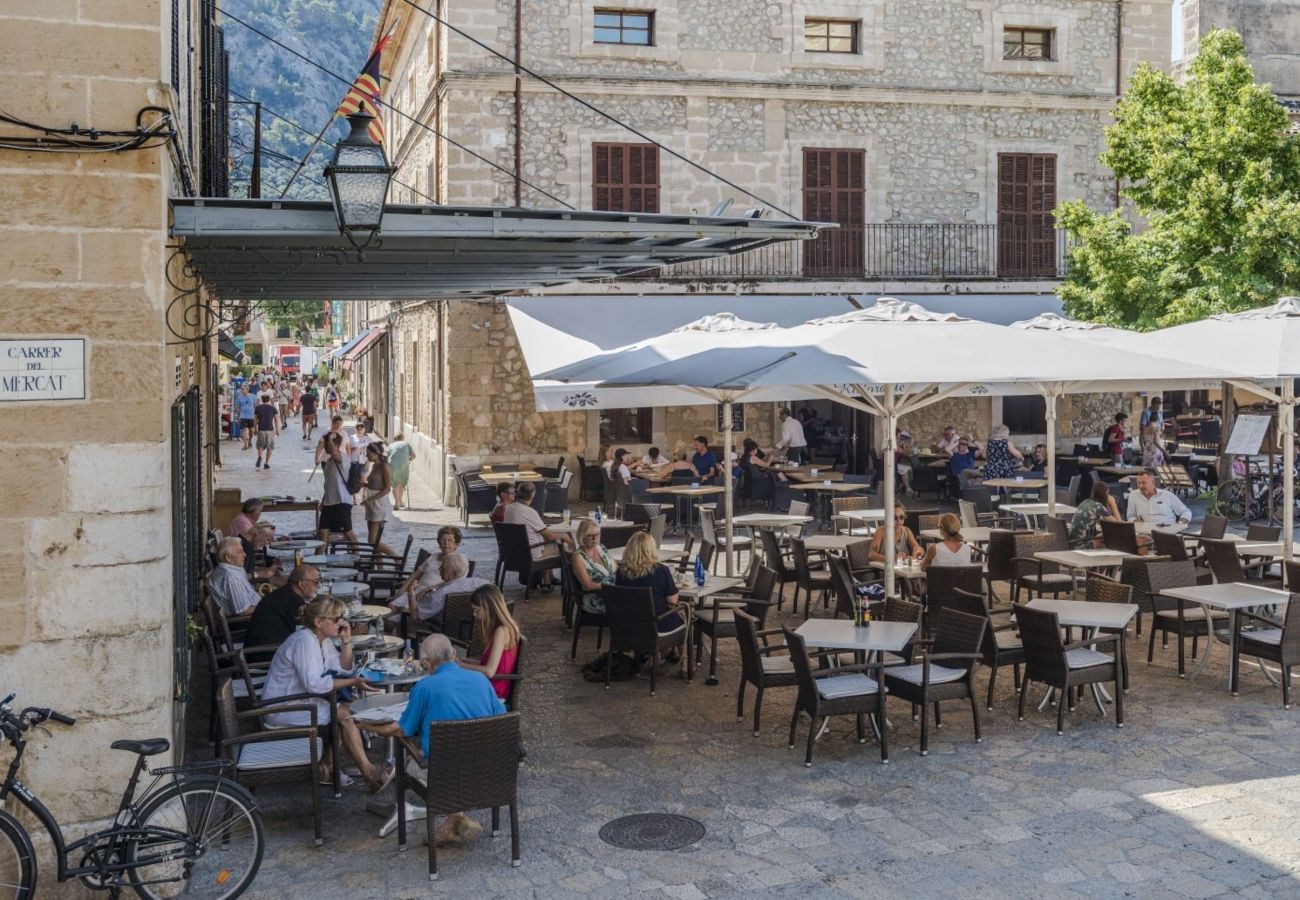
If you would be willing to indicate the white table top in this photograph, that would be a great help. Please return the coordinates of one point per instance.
(837, 487)
(903, 568)
(1035, 509)
(344, 588)
(1259, 548)
(1148, 527)
(861, 515)
(770, 520)
(332, 559)
(975, 534)
(1228, 596)
(572, 526)
(841, 634)
(835, 543)
(1028, 484)
(713, 584)
(685, 490)
(1084, 559)
(1085, 614)
(292, 545)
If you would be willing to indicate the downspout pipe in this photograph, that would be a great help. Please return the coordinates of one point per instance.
(519, 102)
(1119, 68)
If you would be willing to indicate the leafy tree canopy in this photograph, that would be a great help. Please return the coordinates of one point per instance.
(1210, 167)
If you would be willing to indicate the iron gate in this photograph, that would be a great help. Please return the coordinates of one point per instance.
(187, 527)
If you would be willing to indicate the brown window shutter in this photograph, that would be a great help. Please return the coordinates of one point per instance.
(834, 191)
(1026, 227)
(625, 177)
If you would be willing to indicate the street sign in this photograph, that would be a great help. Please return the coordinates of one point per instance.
(42, 369)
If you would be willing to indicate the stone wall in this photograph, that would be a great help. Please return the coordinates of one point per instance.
(683, 423)
(972, 417)
(1270, 29)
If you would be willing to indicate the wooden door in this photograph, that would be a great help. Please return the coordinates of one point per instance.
(1026, 226)
(834, 190)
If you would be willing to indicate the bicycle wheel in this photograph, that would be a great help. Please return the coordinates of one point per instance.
(17, 861)
(1232, 501)
(219, 860)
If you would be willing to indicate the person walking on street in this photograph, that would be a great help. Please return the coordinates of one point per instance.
(307, 402)
(336, 502)
(792, 438)
(332, 397)
(379, 484)
(245, 403)
(284, 400)
(400, 455)
(268, 428)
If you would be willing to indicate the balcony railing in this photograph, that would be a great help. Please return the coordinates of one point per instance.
(888, 251)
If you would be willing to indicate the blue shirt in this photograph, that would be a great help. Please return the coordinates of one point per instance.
(960, 462)
(448, 694)
(245, 404)
(704, 463)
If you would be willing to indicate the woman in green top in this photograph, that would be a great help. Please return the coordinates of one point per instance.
(1099, 505)
(400, 455)
(592, 566)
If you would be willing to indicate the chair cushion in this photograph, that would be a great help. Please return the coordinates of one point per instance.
(912, 674)
(1084, 658)
(1197, 612)
(777, 665)
(854, 684)
(281, 754)
(1264, 636)
(725, 616)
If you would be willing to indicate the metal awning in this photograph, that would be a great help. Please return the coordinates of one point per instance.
(360, 347)
(291, 249)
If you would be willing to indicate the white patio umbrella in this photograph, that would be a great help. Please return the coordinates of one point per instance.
(895, 358)
(1261, 350)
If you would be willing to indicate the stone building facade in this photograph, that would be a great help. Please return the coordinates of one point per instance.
(1270, 29)
(931, 106)
(87, 597)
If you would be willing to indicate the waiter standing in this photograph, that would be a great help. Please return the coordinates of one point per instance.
(792, 439)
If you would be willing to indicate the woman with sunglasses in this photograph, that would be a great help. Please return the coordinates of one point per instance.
(592, 566)
(309, 663)
(501, 638)
(905, 543)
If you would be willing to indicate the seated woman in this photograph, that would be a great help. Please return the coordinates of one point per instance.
(641, 568)
(501, 637)
(1084, 530)
(905, 543)
(680, 466)
(962, 469)
(309, 663)
(752, 455)
(592, 566)
(427, 575)
(620, 467)
(952, 550)
(1038, 462)
(903, 460)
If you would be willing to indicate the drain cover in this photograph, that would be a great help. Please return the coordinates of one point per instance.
(652, 831)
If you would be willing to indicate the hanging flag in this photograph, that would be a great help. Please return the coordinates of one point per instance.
(366, 90)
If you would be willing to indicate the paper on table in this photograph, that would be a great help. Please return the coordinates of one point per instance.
(381, 713)
(1097, 552)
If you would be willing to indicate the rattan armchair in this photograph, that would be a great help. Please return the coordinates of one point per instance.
(1051, 661)
(515, 554)
(779, 562)
(941, 583)
(1033, 574)
(1227, 568)
(1121, 536)
(1268, 641)
(843, 691)
(717, 619)
(758, 665)
(472, 764)
(1176, 617)
(946, 670)
(808, 578)
(1001, 644)
(636, 628)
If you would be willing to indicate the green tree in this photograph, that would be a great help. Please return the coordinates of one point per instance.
(302, 317)
(1210, 167)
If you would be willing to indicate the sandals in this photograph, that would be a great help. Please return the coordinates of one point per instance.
(381, 778)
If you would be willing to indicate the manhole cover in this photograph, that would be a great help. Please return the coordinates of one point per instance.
(652, 831)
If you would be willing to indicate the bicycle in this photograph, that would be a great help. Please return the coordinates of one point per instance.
(195, 834)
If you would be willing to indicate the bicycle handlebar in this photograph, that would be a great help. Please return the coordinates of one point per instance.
(61, 718)
(32, 715)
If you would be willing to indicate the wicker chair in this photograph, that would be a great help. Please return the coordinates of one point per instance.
(1058, 527)
(1000, 560)
(1176, 617)
(779, 562)
(946, 670)
(1121, 536)
(1168, 544)
(514, 554)
(942, 581)
(808, 579)
(842, 525)
(1066, 666)
(712, 532)
(844, 691)
(472, 764)
(1001, 645)
(280, 755)
(1227, 568)
(1033, 574)
(635, 627)
(616, 536)
(718, 618)
(477, 497)
(1133, 572)
(1099, 588)
(757, 666)
(858, 556)
(1264, 533)
(844, 587)
(1280, 645)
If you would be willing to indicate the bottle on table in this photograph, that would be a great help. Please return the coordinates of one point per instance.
(699, 572)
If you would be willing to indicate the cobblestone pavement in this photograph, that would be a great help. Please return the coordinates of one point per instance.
(1197, 796)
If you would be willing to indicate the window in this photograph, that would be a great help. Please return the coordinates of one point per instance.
(1025, 415)
(1027, 43)
(627, 426)
(1026, 226)
(625, 177)
(616, 27)
(830, 36)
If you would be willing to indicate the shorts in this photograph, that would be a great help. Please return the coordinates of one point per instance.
(337, 517)
(266, 440)
(246, 423)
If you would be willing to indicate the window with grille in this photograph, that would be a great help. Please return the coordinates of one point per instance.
(1028, 43)
(625, 177)
(830, 36)
(626, 426)
(613, 26)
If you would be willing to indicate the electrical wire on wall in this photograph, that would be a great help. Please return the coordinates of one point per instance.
(75, 139)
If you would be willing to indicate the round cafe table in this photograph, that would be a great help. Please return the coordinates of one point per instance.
(337, 573)
(344, 590)
(332, 559)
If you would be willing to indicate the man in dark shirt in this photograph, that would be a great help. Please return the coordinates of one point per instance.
(267, 416)
(704, 461)
(280, 612)
(308, 401)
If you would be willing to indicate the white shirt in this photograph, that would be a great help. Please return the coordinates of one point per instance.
(607, 465)
(656, 462)
(230, 587)
(431, 605)
(624, 472)
(945, 557)
(357, 445)
(949, 445)
(299, 667)
(792, 433)
(1164, 508)
(522, 514)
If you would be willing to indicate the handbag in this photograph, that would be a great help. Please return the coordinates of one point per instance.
(356, 472)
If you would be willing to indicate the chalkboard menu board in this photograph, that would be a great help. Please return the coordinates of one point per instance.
(737, 417)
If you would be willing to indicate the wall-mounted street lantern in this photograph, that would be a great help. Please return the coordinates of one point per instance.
(358, 177)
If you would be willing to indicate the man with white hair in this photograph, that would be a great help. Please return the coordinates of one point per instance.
(455, 580)
(228, 583)
(448, 693)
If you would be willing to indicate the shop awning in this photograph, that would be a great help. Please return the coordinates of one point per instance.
(291, 250)
(362, 345)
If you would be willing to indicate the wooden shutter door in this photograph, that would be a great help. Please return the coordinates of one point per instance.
(1026, 227)
(625, 177)
(834, 190)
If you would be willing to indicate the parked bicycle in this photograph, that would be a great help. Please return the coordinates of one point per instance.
(190, 833)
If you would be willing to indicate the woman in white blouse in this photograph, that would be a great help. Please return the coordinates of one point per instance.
(952, 550)
(304, 665)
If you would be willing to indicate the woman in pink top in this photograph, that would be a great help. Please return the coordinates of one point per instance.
(501, 638)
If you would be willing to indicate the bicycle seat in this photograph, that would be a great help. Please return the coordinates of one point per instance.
(151, 747)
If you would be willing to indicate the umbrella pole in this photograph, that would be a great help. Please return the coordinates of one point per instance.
(889, 464)
(1286, 416)
(727, 480)
(1051, 452)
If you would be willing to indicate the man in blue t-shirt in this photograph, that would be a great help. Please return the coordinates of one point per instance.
(704, 462)
(245, 403)
(447, 693)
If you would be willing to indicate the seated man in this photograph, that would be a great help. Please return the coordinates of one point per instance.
(245, 526)
(280, 612)
(228, 583)
(948, 443)
(1155, 505)
(544, 542)
(447, 693)
(705, 461)
(455, 580)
